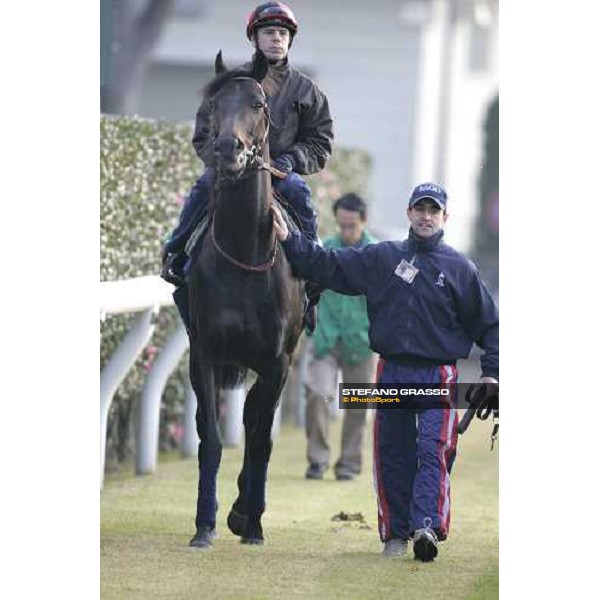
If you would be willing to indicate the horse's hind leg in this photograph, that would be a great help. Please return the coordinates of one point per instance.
(268, 389)
(209, 449)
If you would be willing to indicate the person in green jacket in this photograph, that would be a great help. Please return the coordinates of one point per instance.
(339, 342)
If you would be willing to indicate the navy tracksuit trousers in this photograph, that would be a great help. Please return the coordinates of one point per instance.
(414, 449)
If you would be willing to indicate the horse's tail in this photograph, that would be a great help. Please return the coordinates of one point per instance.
(229, 376)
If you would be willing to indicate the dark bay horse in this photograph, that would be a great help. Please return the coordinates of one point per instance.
(245, 305)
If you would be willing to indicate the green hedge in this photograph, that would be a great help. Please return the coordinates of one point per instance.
(146, 169)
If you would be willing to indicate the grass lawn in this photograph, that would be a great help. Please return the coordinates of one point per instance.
(146, 524)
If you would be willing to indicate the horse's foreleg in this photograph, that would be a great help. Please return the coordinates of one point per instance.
(209, 449)
(268, 389)
(237, 518)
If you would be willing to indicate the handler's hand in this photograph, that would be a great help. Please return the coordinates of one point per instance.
(491, 388)
(279, 224)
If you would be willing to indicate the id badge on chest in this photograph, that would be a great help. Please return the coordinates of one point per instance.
(406, 271)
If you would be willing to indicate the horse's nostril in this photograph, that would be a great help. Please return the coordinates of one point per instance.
(228, 146)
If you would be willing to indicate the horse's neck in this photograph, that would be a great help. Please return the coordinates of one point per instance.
(242, 220)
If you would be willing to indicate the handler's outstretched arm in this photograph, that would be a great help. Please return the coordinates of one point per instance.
(347, 271)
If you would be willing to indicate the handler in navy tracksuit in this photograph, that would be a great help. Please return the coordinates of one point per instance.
(427, 305)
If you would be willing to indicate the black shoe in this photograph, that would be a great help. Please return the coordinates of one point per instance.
(316, 470)
(425, 544)
(172, 268)
(344, 474)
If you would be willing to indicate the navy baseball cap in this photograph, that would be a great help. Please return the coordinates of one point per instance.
(434, 191)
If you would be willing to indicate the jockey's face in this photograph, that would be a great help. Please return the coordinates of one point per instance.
(274, 41)
(426, 218)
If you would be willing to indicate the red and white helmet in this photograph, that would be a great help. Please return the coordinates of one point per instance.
(272, 13)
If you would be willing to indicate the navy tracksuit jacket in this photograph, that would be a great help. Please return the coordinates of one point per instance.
(419, 329)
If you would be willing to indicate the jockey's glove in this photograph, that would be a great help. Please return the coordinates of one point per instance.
(284, 163)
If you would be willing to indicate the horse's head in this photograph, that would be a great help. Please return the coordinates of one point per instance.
(239, 115)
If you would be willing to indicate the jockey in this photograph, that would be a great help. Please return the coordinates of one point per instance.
(300, 135)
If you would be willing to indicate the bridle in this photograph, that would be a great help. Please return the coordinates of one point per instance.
(254, 160)
(254, 154)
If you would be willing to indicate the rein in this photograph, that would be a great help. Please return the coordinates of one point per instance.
(257, 268)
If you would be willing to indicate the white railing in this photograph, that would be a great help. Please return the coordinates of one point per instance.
(148, 295)
(133, 295)
(143, 294)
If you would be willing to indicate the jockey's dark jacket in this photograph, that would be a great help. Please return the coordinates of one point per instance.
(436, 318)
(301, 125)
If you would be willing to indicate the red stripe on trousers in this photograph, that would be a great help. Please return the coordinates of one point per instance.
(454, 433)
(379, 372)
(383, 514)
(443, 454)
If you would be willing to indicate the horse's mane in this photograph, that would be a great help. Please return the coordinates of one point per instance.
(212, 87)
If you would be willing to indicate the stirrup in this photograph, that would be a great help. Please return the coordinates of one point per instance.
(310, 318)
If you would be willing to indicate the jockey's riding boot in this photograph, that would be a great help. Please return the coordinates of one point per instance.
(313, 293)
(172, 267)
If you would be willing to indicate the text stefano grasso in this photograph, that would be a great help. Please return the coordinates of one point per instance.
(424, 391)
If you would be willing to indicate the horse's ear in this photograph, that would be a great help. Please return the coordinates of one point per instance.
(260, 66)
(219, 64)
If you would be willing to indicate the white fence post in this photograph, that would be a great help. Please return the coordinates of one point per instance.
(149, 409)
(233, 423)
(117, 368)
(300, 388)
(189, 443)
(145, 294)
(276, 427)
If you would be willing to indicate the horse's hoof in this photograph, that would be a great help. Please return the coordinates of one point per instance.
(253, 534)
(199, 544)
(252, 541)
(203, 539)
(236, 522)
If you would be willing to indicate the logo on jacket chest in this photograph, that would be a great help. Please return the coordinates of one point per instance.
(440, 279)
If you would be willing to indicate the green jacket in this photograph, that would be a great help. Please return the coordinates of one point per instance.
(343, 319)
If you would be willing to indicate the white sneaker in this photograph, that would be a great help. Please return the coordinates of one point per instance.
(395, 547)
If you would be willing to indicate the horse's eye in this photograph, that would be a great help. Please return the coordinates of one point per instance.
(258, 105)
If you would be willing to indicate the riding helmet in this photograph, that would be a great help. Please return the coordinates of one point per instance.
(272, 13)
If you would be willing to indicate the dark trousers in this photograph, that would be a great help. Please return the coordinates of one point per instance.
(294, 189)
(414, 450)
